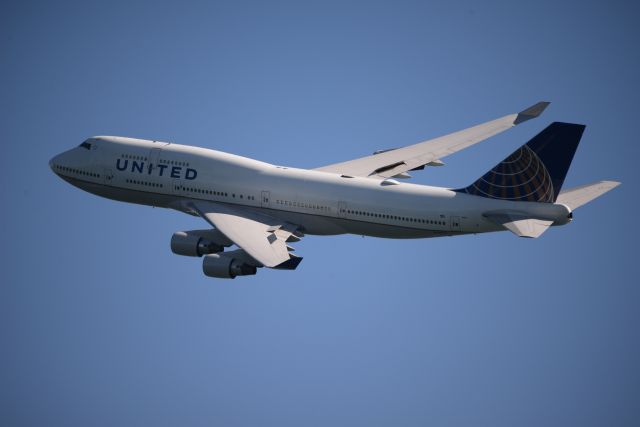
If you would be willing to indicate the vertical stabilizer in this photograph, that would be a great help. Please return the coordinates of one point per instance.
(535, 172)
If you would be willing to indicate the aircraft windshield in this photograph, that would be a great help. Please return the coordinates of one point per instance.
(85, 145)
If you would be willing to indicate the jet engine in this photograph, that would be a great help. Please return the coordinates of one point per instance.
(198, 242)
(225, 267)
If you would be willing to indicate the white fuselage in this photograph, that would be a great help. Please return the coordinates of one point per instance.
(166, 175)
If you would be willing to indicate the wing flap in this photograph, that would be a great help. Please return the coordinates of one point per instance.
(388, 163)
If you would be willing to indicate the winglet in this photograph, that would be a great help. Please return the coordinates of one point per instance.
(531, 112)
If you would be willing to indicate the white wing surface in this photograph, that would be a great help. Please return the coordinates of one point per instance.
(578, 196)
(398, 161)
(261, 236)
(528, 227)
(519, 224)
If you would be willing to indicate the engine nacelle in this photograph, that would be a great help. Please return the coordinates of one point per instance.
(195, 243)
(224, 267)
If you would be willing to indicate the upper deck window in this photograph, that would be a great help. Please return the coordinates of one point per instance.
(85, 145)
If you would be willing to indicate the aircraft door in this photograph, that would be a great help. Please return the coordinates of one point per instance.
(264, 202)
(154, 157)
(342, 209)
(107, 176)
(94, 157)
(455, 223)
(177, 186)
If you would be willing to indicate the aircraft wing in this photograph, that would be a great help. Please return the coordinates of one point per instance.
(398, 161)
(262, 237)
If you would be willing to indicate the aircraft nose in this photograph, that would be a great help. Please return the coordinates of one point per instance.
(55, 161)
(62, 160)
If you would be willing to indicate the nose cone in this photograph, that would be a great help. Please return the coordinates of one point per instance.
(64, 160)
(57, 162)
(54, 161)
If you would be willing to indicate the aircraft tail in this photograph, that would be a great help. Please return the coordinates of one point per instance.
(535, 172)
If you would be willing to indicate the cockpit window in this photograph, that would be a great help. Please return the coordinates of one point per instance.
(85, 145)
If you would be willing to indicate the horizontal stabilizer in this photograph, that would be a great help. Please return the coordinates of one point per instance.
(578, 196)
(528, 227)
(519, 225)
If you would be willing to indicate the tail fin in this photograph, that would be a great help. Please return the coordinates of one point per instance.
(535, 172)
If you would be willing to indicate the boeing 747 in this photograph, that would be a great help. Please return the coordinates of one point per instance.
(256, 210)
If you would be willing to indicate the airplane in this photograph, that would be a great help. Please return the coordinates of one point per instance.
(261, 209)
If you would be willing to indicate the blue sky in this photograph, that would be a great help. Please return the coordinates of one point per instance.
(101, 325)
